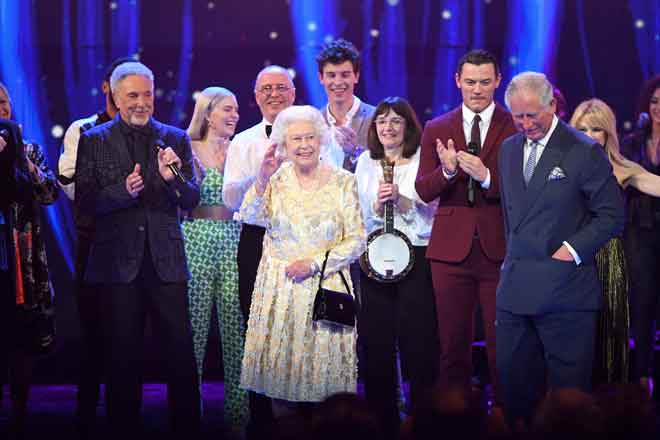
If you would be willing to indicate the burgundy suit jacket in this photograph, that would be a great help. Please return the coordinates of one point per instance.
(455, 221)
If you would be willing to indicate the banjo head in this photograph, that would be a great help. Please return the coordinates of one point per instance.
(388, 257)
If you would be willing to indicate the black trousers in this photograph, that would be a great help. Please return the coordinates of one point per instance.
(250, 247)
(399, 314)
(91, 359)
(124, 308)
(642, 249)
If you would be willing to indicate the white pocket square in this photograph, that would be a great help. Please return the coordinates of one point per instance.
(556, 174)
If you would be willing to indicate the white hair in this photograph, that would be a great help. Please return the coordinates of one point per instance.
(206, 101)
(533, 82)
(128, 69)
(298, 113)
(273, 68)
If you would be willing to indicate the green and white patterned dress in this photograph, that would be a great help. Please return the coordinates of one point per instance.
(211, 247)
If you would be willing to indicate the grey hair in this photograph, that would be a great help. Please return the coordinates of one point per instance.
(533, 82)
(298, 113)
(206, 101)
(273, 68)
(128, 69)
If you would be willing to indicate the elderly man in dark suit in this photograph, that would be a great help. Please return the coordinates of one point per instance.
(561, 203)
(127, 179)
(466, 246)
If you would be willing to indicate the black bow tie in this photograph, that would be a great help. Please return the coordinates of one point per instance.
(269, 130)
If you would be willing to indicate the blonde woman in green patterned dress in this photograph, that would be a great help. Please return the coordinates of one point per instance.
(596, 119)
(211, 239)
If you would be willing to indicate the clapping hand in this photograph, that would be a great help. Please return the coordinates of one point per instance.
(472, 165)
(134, 182)
(447, 155)
(347, 139)
(167, 156)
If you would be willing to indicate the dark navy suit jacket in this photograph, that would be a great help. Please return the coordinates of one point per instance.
(583, 208)
(124, 225)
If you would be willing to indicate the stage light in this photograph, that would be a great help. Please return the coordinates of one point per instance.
(446, 14)
(273, 35)
(195, 95)
(57, 131)
(374, 33)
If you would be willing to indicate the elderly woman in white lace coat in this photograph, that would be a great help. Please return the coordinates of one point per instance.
(307, 208)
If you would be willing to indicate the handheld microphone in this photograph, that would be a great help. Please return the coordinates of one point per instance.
(642, 120)
(172, 166)
(4, 133)
(472, 148)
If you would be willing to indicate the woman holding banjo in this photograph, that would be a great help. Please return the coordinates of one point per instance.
(398, 307)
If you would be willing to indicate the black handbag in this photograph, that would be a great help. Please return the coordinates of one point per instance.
(331, 307)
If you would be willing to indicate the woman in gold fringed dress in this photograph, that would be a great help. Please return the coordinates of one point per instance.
(611, 363)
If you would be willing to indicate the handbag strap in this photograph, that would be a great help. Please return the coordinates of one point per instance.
(348, 290)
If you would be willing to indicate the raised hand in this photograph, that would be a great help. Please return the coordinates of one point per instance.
(167, 156)
(472, 165)
(269, 165)
(447, 155)
(134, 182)
(346, 138)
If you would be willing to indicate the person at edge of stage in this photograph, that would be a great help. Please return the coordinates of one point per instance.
(27, 315)
(641, 237)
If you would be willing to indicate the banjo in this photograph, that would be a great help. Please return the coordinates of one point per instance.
(389, 255)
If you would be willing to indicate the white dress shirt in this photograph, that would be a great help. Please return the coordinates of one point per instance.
(66, 165)
(486, 116)
(244, 156)
(540, 148)
(333, 153)
(416, 223)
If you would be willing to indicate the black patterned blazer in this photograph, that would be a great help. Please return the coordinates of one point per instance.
(124, 225)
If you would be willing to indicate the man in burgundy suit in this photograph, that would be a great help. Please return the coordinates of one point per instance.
(458, 166)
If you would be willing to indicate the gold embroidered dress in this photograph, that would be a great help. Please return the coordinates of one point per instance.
(287, 355)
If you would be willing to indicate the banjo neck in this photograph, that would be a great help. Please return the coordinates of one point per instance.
(388, 207)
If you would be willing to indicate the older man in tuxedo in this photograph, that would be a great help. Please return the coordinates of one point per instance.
(561, 203)
(127, 180)
(458, 166)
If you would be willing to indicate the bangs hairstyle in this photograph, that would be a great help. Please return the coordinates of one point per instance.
(206, 101)
(298, 113)
(337, 52)
(411, 137)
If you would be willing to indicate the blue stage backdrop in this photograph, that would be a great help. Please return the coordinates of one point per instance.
(53, 54)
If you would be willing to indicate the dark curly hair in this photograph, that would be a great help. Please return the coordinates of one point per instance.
(337, 52)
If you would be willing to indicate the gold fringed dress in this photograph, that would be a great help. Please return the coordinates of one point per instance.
(287, 355)
(611, 362)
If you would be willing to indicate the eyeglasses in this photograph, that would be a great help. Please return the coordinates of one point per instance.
(396, 122)
(269, 89)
